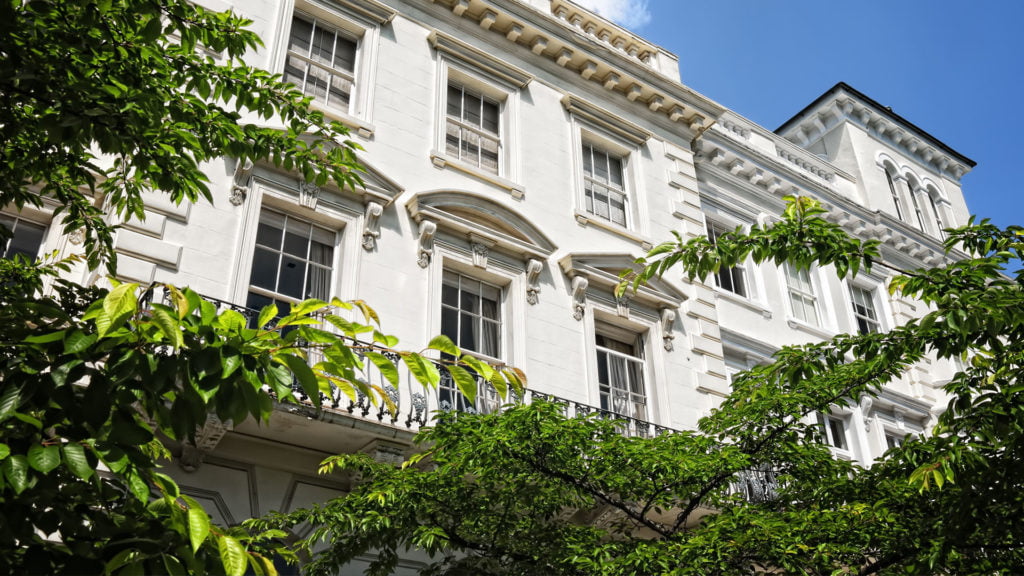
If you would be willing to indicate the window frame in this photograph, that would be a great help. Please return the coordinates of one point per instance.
(620, 335)
(279, 192)
(357, 21)
(275, 295)
(331, 70)
(715, 228)
(825, 422)
(487, 400)
(463, 125)
(458, 73)
(27, 219)
(871, 294)
(813, 294)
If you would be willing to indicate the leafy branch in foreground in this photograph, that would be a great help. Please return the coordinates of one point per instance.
(535, 490)
(93, 380)
(102, 101)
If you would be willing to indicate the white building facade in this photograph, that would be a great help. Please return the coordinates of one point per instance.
(519, 154)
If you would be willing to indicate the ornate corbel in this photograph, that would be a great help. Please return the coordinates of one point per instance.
(426, 243)
(240, 182)
(668, 318)
(371, 225)
(622, 304)
(579, 296)
(481, 248)
(206, 440)
(865, 410)
(533, 270)
(309, 194)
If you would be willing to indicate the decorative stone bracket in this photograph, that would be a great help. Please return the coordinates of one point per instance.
(240, 182)
(579, 296)
(426, 243)
(371, 225)
(668, 318)
(533, 270)
(309, 194)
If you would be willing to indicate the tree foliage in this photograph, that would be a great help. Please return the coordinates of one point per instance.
(93, 380)
(102, 100)
(753, 489)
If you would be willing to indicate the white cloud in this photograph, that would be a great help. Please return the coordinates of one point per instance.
(632, 14)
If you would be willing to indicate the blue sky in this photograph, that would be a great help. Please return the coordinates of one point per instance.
(955, 69)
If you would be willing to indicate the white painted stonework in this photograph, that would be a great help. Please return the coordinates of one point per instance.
(562, 80)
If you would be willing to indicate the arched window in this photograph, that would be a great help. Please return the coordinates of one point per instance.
(895, 195)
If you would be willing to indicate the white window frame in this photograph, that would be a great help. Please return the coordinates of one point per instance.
(274, 192)
(466, 128)
(713, 228)
(357, 21)
(825, 421)
(27, 218)
(290, 219)
(616, 136)
(466, 67)
(871, 292)
(509, 313)
(812, 294)
(454, 74)
(308, 64)
(895, 194)
(605, 391)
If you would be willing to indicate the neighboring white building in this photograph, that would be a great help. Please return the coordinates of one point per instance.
(519, 154)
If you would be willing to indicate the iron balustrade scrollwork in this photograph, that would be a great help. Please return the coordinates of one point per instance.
(756, 485)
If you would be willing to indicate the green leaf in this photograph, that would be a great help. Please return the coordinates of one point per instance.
(15, 470)
(198, 524)
(444, 344)
(422, 369)
(44, 338)
(386, 367)
(43, 458)
(304, 374)
(77, 341)
(121, 300)
(173, 566)
(169, 325)
(465, 381)
(232, 555)
(5, 451)
(9, 401)
(268, 313)
(76, 460)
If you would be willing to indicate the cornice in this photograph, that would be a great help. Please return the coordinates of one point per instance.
(371, 10)
(605, 120)
(475, 58)
(844, 104)
(615, 61)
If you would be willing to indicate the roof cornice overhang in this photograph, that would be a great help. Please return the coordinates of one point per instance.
(579, 48)
(720, 160)
(844, 103)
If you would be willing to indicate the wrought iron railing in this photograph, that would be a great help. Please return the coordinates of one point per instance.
(413, 405)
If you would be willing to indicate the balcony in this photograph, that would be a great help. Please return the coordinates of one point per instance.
(413, 405)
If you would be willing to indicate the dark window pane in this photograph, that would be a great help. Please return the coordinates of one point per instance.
(264, 268)
(291, 276)
(450, 324)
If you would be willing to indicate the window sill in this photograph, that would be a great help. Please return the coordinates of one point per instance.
(587, 219)
(743, 301)
(362, 128)
(442, 161)
(812, 330)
